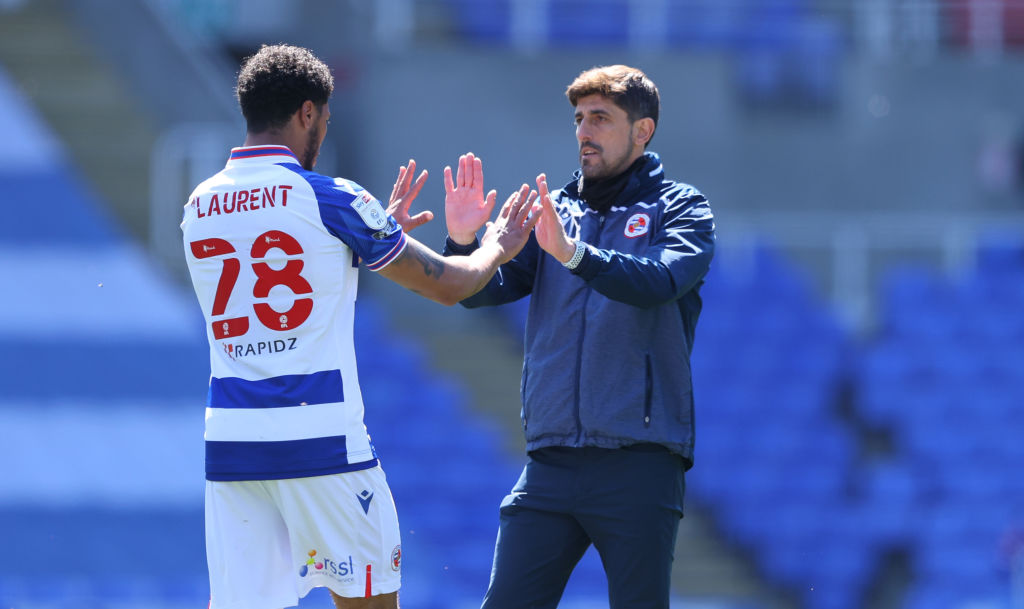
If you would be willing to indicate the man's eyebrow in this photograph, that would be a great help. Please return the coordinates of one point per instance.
(595, 111)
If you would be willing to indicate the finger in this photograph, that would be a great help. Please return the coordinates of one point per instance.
(418, 220)
(527, 207)
(448, 185)
(489, 201)
(542, 185)
(509, 202)
(478, 173)
(522, 195)
(410, 171)
(460, 179)
(536, 212)
(398, 181)
(470, 169)
(548, 204)
(414, 191)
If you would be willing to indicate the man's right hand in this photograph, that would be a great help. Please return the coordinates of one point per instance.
(511, 229)
(465, 207)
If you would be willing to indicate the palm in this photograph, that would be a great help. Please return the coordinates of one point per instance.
(465, 207)
(549, 231)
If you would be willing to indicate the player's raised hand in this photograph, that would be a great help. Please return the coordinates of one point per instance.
(511, 229)
(550, 233)
(465, 207)
(402, 195)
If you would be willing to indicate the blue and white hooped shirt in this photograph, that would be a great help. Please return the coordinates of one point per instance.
(273, 251)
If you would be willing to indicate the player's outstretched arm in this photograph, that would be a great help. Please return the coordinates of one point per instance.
(448, 280)
(403, 193)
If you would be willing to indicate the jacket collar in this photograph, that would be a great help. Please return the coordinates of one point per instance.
(650, 174)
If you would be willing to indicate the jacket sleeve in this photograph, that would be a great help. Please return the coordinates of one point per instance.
(512, 281)
(677, 259)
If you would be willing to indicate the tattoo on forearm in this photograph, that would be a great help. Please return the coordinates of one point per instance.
(431, 267)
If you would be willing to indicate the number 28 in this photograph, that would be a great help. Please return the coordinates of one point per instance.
(266, 278)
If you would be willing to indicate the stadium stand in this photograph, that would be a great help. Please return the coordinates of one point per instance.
(774, 460)
(943, 378)
(99, 352)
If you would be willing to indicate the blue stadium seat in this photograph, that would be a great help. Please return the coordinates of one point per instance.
(588, 22)
(482, 21)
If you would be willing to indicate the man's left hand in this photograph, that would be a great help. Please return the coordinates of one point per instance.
(402, 195)
(550, 233)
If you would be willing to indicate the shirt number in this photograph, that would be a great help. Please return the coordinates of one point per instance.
(267, 278)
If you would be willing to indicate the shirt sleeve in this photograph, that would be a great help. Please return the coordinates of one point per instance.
(512, 281)
(358, 219)
(676, 261)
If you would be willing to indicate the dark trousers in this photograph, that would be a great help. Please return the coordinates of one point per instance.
(627, 502)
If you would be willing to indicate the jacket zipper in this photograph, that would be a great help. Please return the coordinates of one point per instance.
(579, 347)
(648, 387)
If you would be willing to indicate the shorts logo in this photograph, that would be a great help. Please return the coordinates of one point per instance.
(312, 562)
(638, 224)
(396, 558)
(340, 570)
(365, 498)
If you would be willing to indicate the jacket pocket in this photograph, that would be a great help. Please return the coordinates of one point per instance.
(648, 389)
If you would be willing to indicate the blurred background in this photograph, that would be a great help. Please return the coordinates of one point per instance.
(859, 366)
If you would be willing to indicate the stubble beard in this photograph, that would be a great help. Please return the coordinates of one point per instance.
(312, 151)
(599, 169)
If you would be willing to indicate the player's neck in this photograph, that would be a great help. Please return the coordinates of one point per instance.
(268, 138)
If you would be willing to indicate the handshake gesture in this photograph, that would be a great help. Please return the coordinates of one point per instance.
(467, 209)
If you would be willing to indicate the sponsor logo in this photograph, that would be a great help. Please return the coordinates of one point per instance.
(396, 558)
(365, 498)
(341, 570)
(638, 224)
(263, 347)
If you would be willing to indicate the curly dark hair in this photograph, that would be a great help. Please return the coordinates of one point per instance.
(275, 82)
(628, 88)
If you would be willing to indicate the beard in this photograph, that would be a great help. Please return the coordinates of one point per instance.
(312, 150)
(602, 167)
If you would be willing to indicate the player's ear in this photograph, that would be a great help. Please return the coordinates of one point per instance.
(307, 114)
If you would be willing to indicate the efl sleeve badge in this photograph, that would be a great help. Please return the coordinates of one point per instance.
(370, 210)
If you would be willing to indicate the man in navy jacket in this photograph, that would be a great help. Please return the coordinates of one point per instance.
(614, 268)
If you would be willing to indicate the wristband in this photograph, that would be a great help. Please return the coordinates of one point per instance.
(577, 256)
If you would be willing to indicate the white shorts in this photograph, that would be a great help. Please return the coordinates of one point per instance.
(269, 542)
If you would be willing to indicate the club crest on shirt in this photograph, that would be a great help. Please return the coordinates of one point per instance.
(370, 210)
(638, 224)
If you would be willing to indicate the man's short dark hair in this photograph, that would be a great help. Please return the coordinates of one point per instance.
(628, 88)
(275, 82)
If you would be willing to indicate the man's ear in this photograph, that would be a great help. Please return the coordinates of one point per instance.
(307, 114)
(643, 131)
